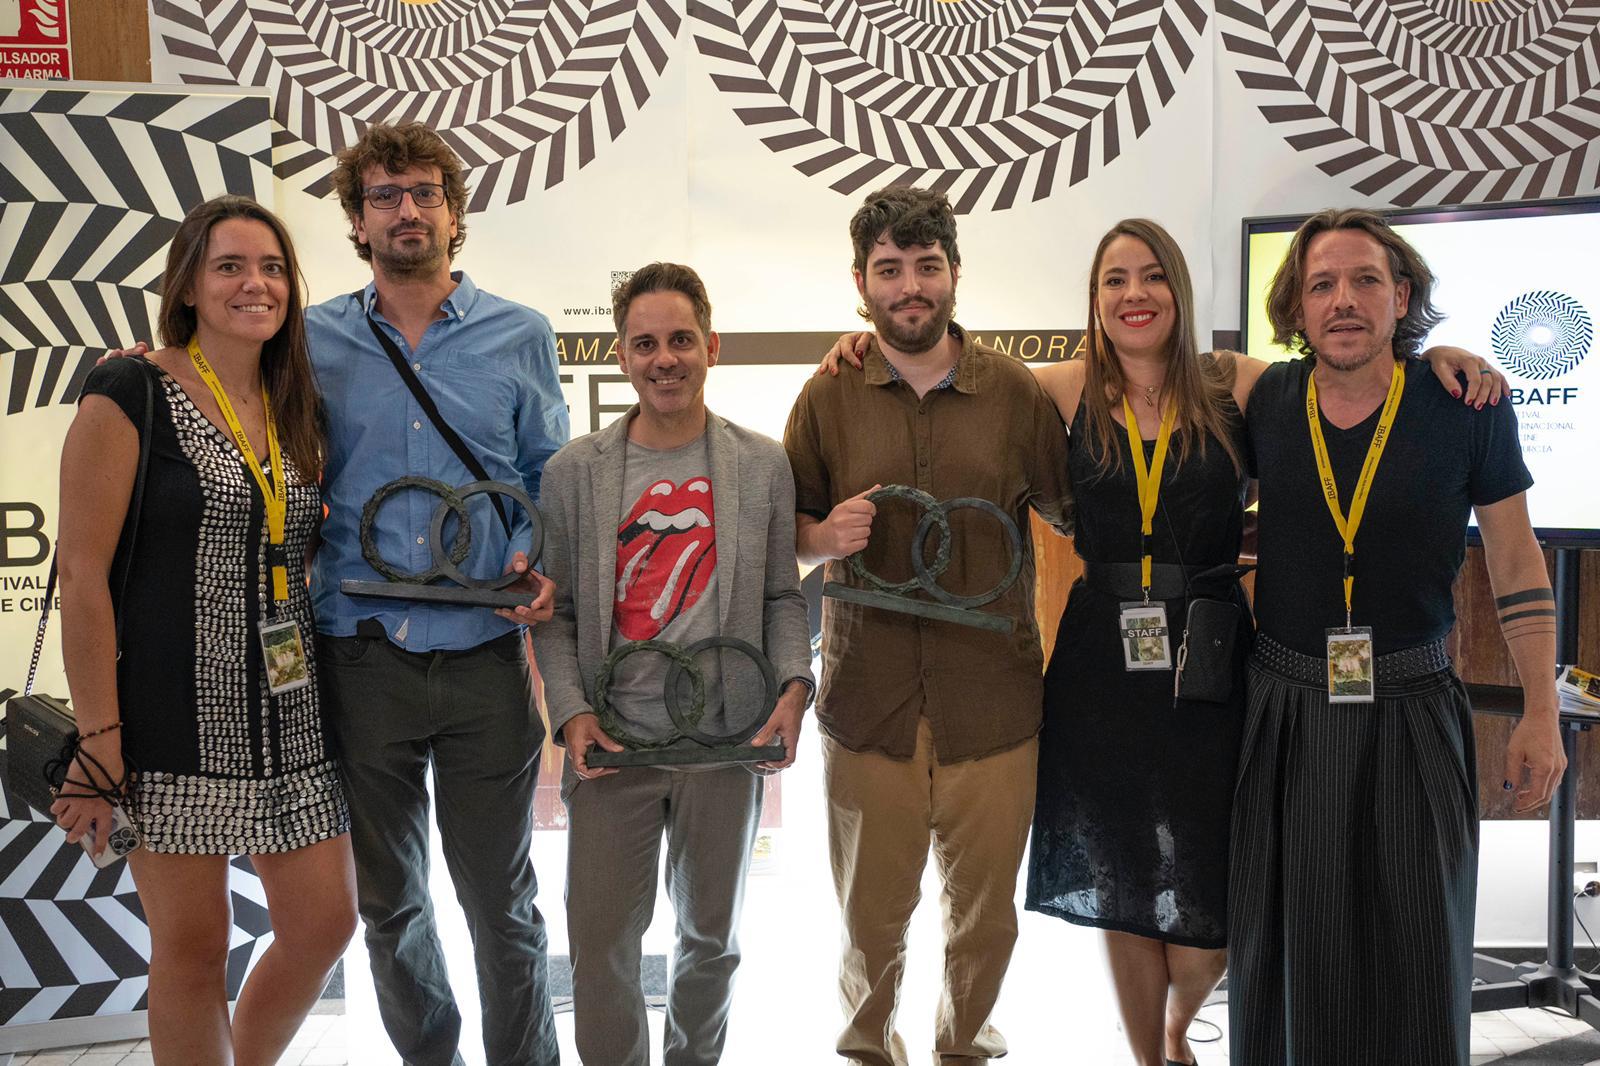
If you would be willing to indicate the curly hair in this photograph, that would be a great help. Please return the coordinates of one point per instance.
(397, 149)
(911, 215)
(1283, 298)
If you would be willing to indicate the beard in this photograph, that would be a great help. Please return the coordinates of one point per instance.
(918, 340)
(412, 259)
(1382, 339)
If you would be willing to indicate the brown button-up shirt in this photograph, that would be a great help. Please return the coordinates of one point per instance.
(992, 434)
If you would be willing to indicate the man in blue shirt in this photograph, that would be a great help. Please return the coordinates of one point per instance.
(407, 684)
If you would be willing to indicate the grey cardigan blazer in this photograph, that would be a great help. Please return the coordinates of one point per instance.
(758, 580)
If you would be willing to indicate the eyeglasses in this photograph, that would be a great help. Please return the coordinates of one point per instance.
(387, 197)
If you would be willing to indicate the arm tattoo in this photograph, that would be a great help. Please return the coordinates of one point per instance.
(1530, 612)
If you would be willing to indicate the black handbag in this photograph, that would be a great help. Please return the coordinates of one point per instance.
(41, 731)
(1205, 655)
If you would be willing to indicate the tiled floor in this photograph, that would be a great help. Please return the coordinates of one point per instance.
(322, 1041)
(1057, 1005)
(325, 1040)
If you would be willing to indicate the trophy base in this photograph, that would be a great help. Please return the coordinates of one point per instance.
(453, 594)
(687, 753)
(939, 612)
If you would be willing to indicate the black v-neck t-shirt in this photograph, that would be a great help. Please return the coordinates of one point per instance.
(1443, 458)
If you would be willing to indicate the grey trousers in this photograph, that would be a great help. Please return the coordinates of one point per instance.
(470, 714)
(614, 843)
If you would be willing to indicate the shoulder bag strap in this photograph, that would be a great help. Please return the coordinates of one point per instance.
(131, 524)
(431, 409)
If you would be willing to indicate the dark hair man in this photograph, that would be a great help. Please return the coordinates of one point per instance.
(414, 686)
(670, 524)
(927, 726)
(1355, 831)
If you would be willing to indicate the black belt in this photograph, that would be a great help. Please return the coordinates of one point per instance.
(372, 629)
(1168, 581)
(1390, 668)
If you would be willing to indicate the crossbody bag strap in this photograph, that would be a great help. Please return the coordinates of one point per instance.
(431, 409)
(131, 524)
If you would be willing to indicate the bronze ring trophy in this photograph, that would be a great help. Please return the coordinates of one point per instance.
(687, 743)
(890, 595)
(419, 585)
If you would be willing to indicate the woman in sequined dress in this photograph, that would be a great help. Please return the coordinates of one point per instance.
(215, 750)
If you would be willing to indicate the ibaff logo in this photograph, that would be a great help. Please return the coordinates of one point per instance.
(1541, 334)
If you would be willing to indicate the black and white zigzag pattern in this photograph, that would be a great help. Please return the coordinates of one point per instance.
(1448, 101)
(92, 187)
(73, 938)
(994, 101)
(525, 91)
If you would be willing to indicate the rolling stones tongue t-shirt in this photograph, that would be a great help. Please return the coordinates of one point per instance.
(666, 582)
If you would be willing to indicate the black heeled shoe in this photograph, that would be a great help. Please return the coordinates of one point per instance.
(1172, 1062)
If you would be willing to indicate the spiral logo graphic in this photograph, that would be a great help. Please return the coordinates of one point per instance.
(1442, 101)
(527, 92)
(1541, 334)
(992, 101)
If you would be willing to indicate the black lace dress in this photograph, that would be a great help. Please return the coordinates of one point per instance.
(1135, 794)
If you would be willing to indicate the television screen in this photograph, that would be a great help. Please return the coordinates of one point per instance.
(1520, 285)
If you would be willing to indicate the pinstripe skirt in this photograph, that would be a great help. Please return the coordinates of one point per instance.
(1354, 875)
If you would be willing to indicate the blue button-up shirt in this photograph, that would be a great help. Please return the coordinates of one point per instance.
(490, 366)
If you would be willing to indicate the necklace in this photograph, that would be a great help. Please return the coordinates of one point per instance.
(1150, 392)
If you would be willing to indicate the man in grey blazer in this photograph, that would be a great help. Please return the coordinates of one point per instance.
(671, 524)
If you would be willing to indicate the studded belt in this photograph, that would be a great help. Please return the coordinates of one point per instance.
(1391, 668)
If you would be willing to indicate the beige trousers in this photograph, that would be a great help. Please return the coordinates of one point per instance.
(882, 813)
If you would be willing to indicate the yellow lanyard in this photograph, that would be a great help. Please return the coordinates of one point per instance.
(274, 494)
(1369, 470)
(1148, 481)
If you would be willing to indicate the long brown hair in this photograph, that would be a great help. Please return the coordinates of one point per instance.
(285, 365)
(1283, 298)
(1199, 385)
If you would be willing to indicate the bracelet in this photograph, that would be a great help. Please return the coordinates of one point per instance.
(102, 729)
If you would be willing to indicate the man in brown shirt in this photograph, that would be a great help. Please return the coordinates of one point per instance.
(929, 727)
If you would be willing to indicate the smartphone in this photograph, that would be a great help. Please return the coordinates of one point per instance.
(122, 839)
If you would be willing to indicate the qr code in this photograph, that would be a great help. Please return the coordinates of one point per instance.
(620, 277)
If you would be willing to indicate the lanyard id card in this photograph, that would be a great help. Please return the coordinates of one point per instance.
(274, 492)
(1146, 640)
(1351, 675)
(1347, 525)
(284, 654)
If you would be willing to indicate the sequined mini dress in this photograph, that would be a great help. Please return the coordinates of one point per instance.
(221, 765)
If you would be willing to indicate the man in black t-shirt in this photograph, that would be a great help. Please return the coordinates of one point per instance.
(1354, 853)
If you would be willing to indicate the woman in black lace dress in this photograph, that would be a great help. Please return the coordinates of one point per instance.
(1131, 829)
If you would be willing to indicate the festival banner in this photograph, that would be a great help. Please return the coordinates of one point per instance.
(93, 184)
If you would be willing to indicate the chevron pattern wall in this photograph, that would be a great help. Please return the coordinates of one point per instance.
(1446, 101)
(526, 91)
(995, 101)
(93, 187)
